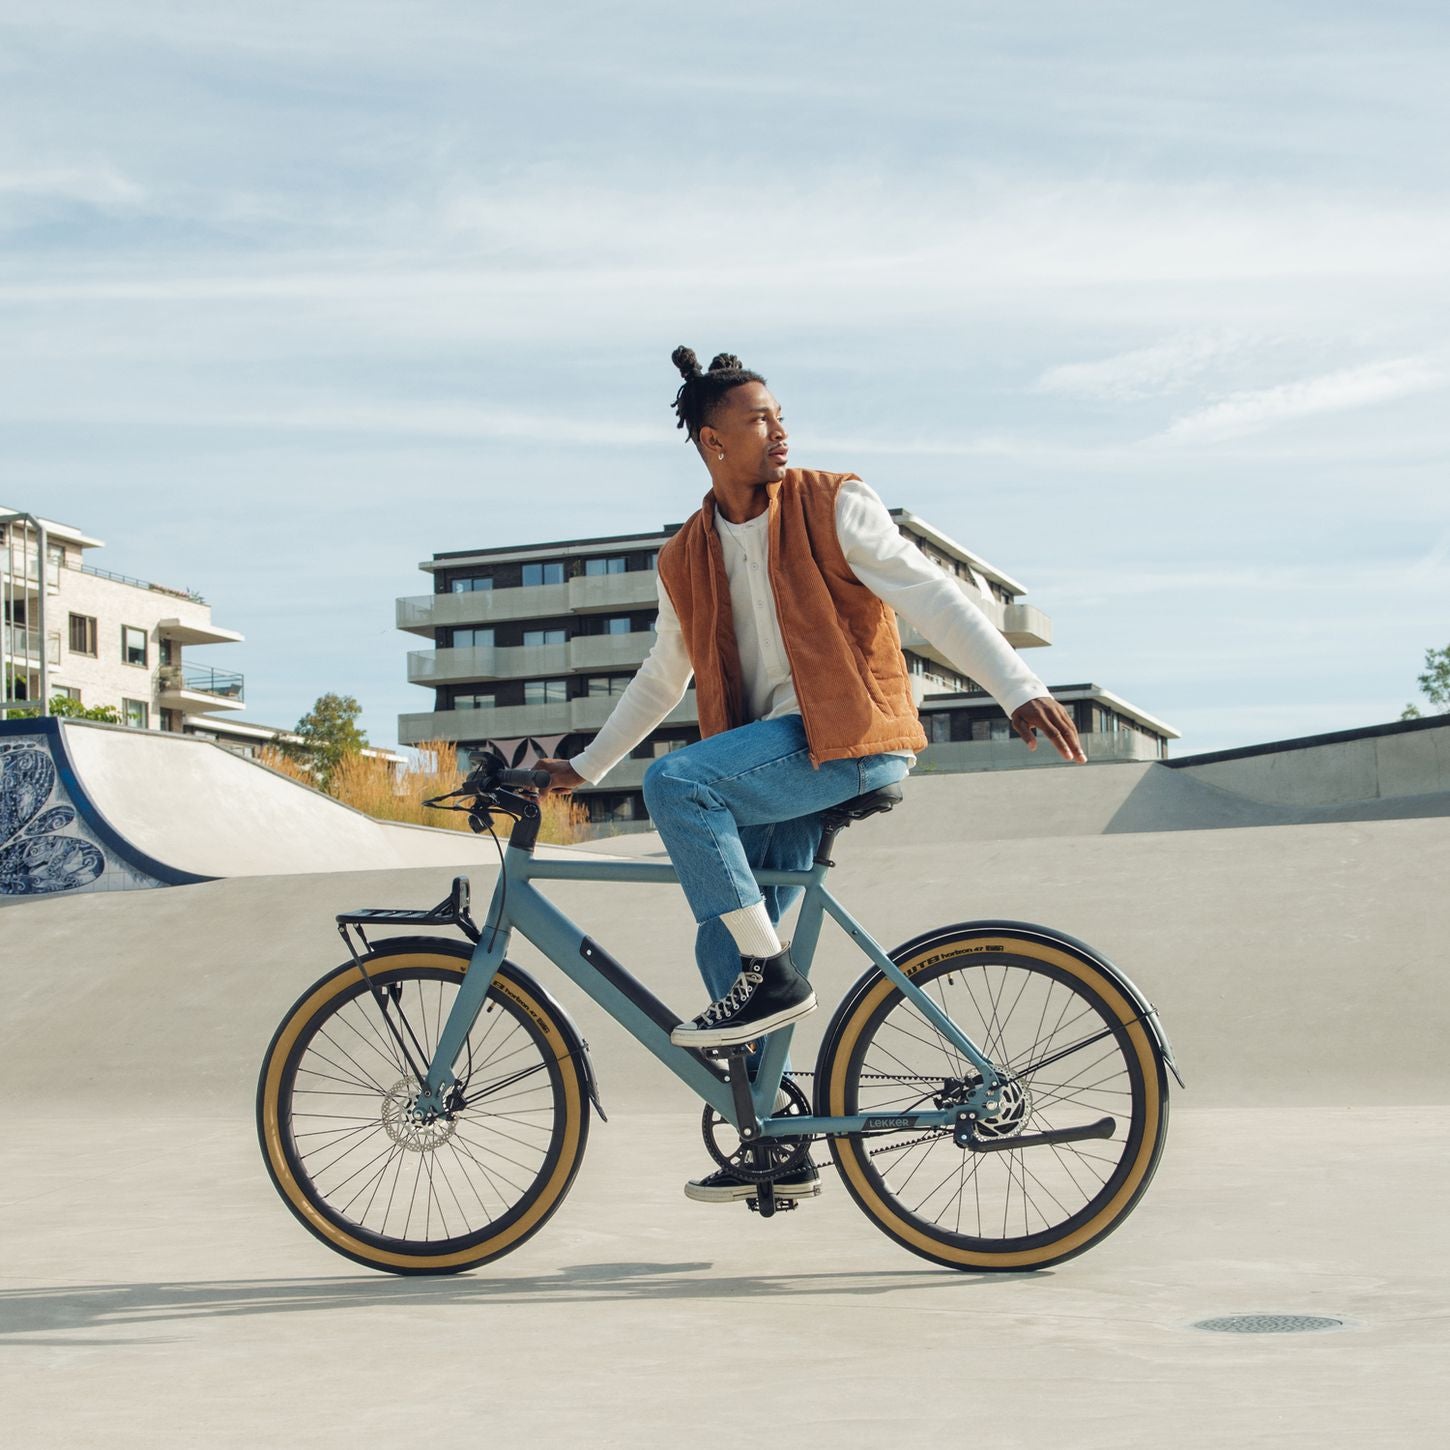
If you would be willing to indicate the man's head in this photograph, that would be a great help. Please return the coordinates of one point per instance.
(732, 418)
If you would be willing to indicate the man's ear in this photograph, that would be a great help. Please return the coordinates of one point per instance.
(708, 441)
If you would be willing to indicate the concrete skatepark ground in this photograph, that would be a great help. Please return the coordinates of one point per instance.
(156, 1292)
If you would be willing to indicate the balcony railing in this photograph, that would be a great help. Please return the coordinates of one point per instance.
(510, 722)
(490, 662)
(203, 680)
(588, 594)
(22, 643)
(190, 594)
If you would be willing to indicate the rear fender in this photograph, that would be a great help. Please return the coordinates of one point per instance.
(1049, 936)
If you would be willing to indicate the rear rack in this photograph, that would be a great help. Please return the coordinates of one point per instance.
(451, 911)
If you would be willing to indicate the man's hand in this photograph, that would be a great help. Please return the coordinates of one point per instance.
(1046, 715)
(563, 776)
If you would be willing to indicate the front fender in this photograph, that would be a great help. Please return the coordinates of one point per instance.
(578, 1047)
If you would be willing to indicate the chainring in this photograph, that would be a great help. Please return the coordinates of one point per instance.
(767, 1159)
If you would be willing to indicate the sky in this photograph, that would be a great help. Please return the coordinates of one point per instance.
(1146, 305)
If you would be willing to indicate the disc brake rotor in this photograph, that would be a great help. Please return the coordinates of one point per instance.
(410, 1132)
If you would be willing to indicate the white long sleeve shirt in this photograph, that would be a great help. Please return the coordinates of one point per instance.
(889, 565)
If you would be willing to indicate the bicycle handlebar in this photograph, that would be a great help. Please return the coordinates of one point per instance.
(527, 779)
(489, 773)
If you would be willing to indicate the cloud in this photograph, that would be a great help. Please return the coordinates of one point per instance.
(1336, 392)
(1146, 371)
(102, 187)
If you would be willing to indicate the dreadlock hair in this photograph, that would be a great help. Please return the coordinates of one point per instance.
(699, 394)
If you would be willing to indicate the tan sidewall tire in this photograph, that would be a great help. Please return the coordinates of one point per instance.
(421, 1261)
(849, 1153)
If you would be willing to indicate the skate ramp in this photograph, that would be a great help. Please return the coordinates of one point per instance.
(152, 808)
(1300, 963)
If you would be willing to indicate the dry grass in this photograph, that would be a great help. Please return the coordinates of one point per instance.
(273, 759)
(371, 785)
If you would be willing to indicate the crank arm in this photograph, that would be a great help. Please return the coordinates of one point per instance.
(964, 1136)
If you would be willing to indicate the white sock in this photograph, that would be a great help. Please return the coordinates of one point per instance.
(753, 932)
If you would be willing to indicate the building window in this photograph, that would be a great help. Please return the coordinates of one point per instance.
(473, 702)
(939, 725)
(68, 692)
(544, 636)
(598, 685)
(171, 720)
(473, 639)
(594, 567)
(83, 635)
(137, 713)
(472, 583)
(546, 692)
(543, 574)
(133, 645)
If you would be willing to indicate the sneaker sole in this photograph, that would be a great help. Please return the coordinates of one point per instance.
(748, 1190)
(685, 1036)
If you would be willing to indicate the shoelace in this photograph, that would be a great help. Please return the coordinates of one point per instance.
(738, 995)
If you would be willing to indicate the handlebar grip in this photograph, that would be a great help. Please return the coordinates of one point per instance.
(528, 779)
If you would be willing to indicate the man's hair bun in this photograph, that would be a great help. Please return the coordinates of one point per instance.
(696, 399)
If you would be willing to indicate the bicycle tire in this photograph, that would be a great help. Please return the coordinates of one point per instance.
(880, 1055)
(336, 1137)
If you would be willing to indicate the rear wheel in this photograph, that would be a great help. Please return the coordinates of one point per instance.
(1071, 1050)
(372, 1179)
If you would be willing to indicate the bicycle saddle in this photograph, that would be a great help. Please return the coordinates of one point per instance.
(861, 806)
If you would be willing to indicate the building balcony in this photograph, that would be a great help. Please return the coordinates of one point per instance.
(1023, 625)
(952, 756)
(588, 594)
(21, 573)
(182, 632)
(484, 662)
(193, 689)
(512, 722)
(25, 645)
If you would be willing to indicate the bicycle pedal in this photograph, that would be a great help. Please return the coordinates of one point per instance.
(782, 1205)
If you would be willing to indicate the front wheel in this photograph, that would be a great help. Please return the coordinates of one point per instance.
(1072, 1050)
(373, 1180)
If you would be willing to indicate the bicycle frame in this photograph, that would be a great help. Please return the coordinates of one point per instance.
(518, 905)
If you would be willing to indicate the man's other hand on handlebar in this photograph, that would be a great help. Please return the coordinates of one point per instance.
(562, 775)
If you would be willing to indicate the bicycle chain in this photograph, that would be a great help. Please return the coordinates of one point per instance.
(935, 1135)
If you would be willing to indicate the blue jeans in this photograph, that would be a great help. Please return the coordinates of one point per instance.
(749, 797)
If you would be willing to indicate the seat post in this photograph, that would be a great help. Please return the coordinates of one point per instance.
(829, 832)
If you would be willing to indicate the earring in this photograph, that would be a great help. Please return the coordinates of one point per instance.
(720, 456)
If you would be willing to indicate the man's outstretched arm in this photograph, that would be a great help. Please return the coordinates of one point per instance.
(899, 574)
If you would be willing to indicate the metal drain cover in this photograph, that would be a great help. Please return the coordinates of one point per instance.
(1269, 1324)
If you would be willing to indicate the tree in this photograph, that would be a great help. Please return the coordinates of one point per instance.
(68, 709)
(1434, 683)
(325, 735)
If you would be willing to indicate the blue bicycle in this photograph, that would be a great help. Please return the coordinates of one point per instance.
(994, 1094)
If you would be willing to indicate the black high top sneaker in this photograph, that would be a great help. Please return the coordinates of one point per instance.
(768, 993)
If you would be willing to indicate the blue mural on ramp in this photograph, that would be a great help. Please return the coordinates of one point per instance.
(53, 840)
(37, 856)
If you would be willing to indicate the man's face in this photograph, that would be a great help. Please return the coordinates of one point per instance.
(749, 429)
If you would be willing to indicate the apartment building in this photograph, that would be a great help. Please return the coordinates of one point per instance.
(531, 644)
(100, 638)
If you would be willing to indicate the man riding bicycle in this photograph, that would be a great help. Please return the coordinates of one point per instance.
(779, 596)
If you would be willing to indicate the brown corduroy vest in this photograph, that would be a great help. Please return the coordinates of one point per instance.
(844, 651)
